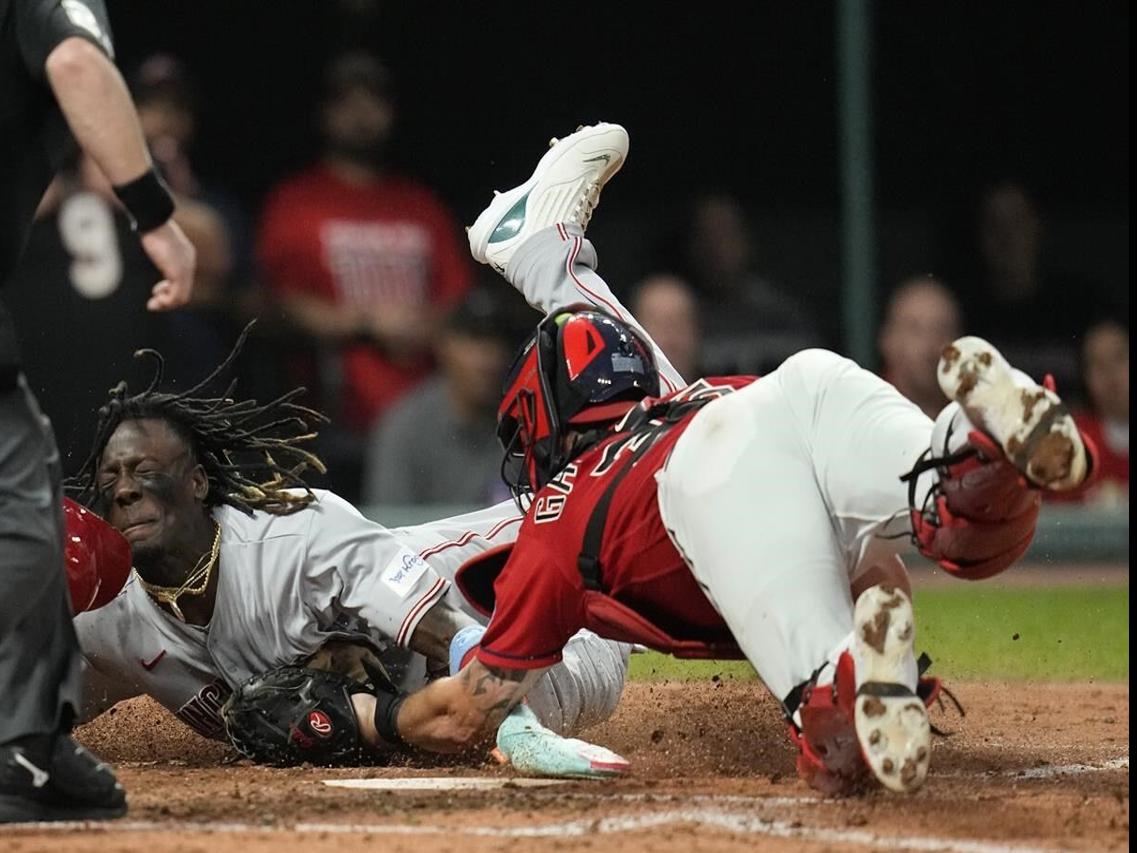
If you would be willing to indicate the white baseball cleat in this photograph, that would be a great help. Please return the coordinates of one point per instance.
(1029, 421)
(890, 719)
(563, 189)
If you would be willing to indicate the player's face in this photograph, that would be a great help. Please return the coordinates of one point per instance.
(150, 489)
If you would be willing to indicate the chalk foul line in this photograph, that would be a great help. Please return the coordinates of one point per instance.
(726, 821)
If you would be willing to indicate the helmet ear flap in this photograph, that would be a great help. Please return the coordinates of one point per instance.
(529, 424)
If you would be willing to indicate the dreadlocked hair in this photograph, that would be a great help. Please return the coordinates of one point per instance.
(251, 453)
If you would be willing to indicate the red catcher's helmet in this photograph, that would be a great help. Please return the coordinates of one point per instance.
(580, 367)
(96, 555)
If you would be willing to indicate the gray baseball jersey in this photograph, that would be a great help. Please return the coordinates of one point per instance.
(286, 586)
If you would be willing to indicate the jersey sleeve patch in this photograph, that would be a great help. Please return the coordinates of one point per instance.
(403, 572)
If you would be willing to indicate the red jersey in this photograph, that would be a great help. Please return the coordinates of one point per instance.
(648, 594)
(388, 243)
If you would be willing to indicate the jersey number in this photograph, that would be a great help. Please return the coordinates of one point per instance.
(87, 230)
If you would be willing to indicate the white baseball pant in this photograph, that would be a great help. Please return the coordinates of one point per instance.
(775, 493)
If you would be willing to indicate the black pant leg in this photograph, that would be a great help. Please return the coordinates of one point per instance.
(39, 652)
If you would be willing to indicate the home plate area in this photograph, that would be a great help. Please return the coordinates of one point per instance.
(1031, 767)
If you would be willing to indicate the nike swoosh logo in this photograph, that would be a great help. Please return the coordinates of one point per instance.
(149, 665)
(607, 158)
(39, 777)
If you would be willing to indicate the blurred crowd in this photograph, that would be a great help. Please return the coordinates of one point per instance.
(364, 292)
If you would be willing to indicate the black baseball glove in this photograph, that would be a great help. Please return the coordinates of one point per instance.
(297, 714)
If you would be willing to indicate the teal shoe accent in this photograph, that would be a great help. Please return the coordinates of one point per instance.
(534, 750)
(511, 223)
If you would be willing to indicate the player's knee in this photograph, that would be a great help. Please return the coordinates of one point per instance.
(813, 364)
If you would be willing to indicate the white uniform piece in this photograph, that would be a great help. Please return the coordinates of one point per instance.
(289, 584)
(778, 495)
(775, 494)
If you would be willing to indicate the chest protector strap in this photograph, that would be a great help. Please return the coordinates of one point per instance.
(649, 424)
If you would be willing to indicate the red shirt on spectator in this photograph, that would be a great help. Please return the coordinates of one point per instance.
(387, 243)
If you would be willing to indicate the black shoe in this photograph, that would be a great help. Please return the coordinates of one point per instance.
(53, 778)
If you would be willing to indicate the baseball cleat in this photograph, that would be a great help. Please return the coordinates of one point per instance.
(890, 720)
(60, 781)
(534, 750)
(563, 189)
(1028, 421)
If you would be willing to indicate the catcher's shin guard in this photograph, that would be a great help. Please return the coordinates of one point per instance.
(979, 517)
(829, 757)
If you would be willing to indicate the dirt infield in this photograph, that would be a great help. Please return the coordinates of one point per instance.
(1030, 767)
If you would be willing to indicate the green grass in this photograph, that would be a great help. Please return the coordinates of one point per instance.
(1027, 633)
(973, 631)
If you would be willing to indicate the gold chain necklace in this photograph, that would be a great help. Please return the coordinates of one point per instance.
(201, 574)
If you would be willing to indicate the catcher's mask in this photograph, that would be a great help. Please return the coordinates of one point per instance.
(580, 368)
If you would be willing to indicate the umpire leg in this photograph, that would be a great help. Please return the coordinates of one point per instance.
(44, 774)
(39, 653)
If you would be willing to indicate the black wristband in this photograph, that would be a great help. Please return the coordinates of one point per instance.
(147, 201)
(387, 707)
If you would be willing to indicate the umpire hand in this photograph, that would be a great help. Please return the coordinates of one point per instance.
(175, 257)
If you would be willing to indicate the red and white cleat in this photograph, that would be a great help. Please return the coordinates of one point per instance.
(1028, 421)
(890, 719)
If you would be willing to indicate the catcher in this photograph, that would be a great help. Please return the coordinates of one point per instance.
(264, 609)
(735, 517)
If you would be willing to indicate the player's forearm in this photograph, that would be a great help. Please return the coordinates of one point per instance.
(439, 718)
(457, 713)
(98, 108)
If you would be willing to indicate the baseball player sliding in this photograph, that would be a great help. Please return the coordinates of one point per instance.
(247, 586)
(731, 517)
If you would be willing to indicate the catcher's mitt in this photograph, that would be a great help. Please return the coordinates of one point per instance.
(297, 714)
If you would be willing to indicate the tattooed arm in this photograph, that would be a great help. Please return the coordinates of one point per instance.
(454, 714)
(432, 635)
